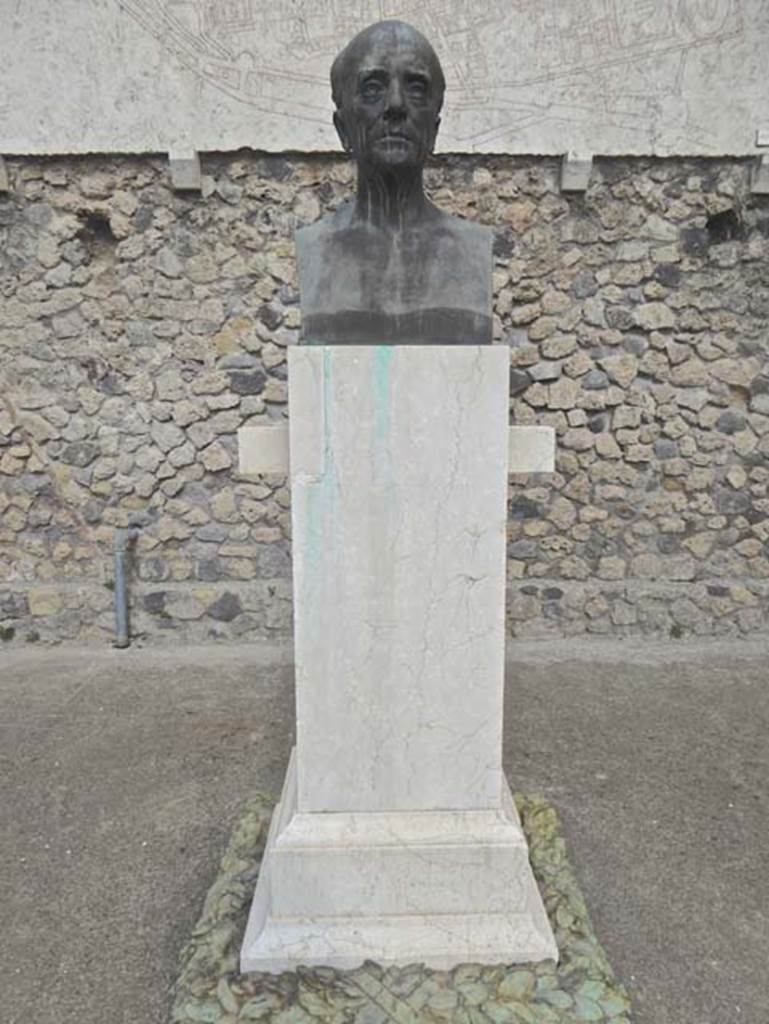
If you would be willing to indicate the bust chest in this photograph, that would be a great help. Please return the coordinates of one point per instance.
(426, 285)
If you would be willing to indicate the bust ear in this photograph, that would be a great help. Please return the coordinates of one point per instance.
(435, 133)
(341, 131)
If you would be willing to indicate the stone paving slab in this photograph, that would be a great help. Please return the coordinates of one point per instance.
(582, 988)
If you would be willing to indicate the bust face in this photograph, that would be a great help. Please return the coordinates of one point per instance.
(391, 99)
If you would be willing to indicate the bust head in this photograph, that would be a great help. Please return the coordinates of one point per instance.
(389, 267)
(388, 88)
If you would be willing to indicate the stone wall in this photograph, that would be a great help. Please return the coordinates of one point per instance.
(139, 328)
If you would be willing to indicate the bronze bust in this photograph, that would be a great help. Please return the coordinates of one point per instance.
(389, 267)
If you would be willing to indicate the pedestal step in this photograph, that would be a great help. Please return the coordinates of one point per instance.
(432, 887)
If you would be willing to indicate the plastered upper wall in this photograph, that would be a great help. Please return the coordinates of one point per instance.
(652, 77)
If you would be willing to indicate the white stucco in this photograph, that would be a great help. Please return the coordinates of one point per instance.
(524, 76)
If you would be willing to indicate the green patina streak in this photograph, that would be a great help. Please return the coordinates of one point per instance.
(382, 385)
(382, 388)
(320, 494)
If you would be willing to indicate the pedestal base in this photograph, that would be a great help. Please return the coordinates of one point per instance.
(433, 887)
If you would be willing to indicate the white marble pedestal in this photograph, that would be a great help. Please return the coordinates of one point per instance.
(396, 839)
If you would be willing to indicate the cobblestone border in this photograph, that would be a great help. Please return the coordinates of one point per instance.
(582, 988)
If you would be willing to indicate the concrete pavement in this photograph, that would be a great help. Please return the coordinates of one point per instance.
(123, 771)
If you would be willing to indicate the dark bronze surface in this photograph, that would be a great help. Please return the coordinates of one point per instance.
(389, 267)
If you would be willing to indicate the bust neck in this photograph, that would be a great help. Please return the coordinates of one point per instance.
(390, 200)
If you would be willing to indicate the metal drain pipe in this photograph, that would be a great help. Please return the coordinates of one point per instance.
(124, 537)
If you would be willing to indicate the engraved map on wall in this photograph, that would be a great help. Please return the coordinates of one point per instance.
(537, 76)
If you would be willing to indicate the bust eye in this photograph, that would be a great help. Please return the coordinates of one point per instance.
(417, 88)
(371, 89)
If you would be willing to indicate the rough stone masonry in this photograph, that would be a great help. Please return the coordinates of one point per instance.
(140, 328)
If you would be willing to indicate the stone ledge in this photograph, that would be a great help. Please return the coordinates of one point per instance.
(582, 989)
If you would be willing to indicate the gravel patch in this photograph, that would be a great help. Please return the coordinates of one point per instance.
(582, 988)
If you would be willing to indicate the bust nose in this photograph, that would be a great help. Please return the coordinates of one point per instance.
(396, 106)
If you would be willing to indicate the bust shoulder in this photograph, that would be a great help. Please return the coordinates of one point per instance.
(325, 228)
(470, 240)
(343, 217)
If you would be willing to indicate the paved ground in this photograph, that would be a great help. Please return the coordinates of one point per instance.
(123, 771)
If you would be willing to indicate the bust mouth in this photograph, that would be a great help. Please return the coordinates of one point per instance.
(394, 133)
(396, 138)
